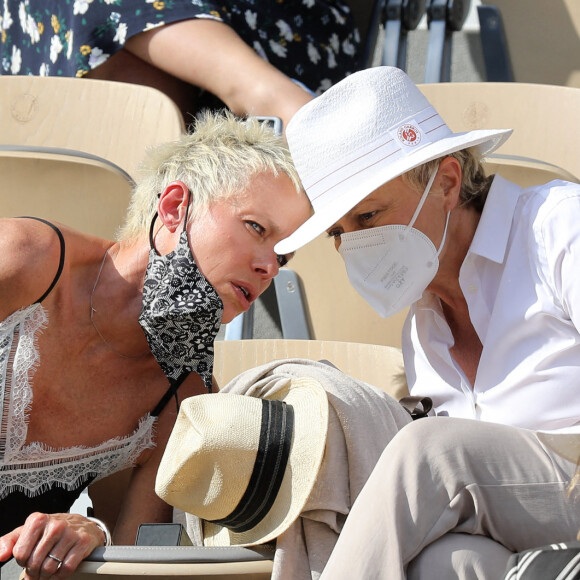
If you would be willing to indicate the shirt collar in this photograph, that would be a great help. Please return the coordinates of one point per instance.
(492, 233)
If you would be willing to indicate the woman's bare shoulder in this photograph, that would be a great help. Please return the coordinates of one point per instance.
(29, 257)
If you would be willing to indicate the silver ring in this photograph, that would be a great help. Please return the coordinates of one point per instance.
(52, 557)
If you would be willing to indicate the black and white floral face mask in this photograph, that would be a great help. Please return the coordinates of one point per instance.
(181, 312)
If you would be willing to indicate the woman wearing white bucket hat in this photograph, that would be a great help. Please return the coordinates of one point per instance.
(489, 272)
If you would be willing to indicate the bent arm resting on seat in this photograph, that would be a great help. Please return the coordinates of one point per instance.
(211, 55)
(141, 504)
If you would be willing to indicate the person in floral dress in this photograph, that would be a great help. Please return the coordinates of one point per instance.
(247, 53)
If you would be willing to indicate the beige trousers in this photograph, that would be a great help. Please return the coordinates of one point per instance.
(464, 556)
(443, 476)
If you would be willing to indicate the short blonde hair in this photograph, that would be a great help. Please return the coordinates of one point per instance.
(475, 183)
(215, 161)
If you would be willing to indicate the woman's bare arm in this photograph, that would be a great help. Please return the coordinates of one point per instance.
(29, 258)
(141, 504)
(211, 55)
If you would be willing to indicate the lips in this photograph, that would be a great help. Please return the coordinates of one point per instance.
(245, 293)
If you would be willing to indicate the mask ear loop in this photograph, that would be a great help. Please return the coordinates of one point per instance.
(423, 198)
(151, 232)
(187, 209)
(157, 213)
(444, 234)
(421, 202)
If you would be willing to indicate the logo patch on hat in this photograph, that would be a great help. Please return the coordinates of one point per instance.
(409, 135)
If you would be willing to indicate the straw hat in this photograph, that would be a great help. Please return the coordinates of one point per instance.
(245, 465)
(369, 128)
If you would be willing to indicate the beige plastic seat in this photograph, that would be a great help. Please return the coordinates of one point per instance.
(544, 117)
(90, 194)
(525, 171)
(69, 148)
(379, 365)
(115, 121)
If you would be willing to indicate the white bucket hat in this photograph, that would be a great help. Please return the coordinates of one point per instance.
(245, 465)
(369, 128)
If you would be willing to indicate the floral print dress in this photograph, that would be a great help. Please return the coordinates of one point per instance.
(312, 41)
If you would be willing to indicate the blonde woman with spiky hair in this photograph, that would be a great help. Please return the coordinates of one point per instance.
(98, 337)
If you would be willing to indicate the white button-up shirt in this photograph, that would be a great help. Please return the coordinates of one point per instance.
(521, 281)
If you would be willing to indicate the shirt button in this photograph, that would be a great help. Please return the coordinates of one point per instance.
(472, 289)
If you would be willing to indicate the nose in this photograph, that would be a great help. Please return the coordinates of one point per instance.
(266, 264)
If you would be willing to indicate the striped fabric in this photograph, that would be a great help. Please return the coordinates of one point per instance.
(553, 562)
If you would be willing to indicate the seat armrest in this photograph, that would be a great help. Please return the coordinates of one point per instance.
(180, 554)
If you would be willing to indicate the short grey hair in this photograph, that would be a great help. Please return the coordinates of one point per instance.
(215, 161)
(475, 183)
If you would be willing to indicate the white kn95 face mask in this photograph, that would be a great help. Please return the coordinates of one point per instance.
(390, 266)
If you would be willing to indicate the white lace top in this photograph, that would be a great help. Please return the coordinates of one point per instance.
(35, 468)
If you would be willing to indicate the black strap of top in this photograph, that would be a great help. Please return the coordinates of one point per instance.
(170, 392)
(62, 254)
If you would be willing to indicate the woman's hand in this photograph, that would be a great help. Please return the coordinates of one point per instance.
(51, 545)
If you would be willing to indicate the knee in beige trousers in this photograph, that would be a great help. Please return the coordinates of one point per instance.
(442, 475)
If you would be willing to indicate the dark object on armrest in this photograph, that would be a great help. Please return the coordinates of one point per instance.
(417, 407)
(162, 535)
